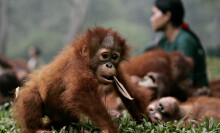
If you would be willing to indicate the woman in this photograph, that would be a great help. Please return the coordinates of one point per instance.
(168, 18)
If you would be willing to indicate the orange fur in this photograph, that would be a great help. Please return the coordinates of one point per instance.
(215, 87)
(67, 88)
(195, 108)
(173, 69)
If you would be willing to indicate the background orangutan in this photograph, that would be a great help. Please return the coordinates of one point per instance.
(12, 64)
(8, 83)
(170, 109)
(156, 61)
(67, 88)
(168, 71)
(214, 86)
(12, 75)
(183, 86)
(18, 66)
(154, 81)
(181, 69)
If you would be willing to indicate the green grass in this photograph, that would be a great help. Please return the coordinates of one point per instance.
(128, 125)
(7, 123)
(213, 67)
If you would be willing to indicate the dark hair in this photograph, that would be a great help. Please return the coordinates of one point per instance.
(37, 49)
(175, 7)
(177, 14)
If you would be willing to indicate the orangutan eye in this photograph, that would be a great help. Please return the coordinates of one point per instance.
(104, 55)
(115, 57)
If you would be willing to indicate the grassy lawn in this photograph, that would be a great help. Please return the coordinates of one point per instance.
(127, 125)
(213, 67)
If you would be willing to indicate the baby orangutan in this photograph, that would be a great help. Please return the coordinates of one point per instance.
(67, 88)
(169, 109)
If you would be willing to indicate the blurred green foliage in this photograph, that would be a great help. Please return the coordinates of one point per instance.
(213, 64)
(45, 23)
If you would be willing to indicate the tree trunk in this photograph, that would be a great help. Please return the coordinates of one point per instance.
(77, 16)
(4, 25)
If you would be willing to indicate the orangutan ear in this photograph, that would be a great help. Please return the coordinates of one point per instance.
(84, 51)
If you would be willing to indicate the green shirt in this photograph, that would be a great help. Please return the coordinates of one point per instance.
(190, 47)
